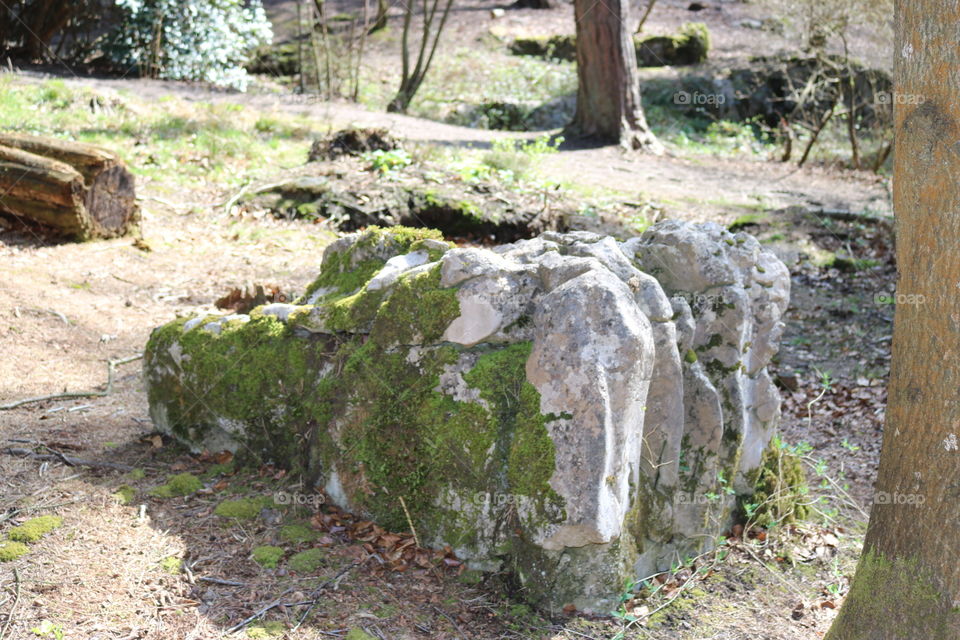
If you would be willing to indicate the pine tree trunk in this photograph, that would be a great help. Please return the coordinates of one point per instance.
(608, 96)
(907, 584)
(78, 190)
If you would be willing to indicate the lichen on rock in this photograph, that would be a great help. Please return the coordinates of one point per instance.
(557, 408)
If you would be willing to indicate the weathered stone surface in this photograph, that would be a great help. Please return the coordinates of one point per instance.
(569, 408)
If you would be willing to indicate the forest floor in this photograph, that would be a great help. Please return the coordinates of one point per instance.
(128, 564)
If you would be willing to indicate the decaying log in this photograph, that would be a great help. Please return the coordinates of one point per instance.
(79, 190)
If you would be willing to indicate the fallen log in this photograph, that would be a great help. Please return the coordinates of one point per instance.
(79, 190)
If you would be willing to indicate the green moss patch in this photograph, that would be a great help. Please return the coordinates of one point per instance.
(780, 488)
(298, 533)
(358, 634)
(125, 494)
(241, 509)
(307, 561)
(182, 484)
(12, 550)
(267, 557)
(172, 565)
(35, 528)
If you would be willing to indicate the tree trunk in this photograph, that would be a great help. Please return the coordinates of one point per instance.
(608, 96)
(78, 190)
(907, 584)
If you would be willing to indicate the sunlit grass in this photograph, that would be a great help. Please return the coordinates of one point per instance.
(169, 140)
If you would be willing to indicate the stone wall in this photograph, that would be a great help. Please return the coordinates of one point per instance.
(572, 409)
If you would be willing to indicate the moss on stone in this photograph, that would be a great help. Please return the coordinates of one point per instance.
(344, 273)
(780, 488)
(241, 509)
(35, 528)
(690, 357)
(298, 533)
(254, 373)
(358, 634)
(418, 311)
(10, 551)
(307, 561)
(267, 556)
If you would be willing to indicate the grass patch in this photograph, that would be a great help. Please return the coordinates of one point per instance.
(170, 140)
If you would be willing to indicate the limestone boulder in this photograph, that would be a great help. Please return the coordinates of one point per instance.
(570, 409)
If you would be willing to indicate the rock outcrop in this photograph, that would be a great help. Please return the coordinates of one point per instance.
(569, 408)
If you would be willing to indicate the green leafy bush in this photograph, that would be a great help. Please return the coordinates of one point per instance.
(207, 40)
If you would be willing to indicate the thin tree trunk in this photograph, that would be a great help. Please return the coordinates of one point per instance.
(382, 16)
(907, 584)
(646, 14)
(608, 95)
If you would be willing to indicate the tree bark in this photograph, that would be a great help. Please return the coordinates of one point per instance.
(78, 190)
(608, 95)
(907, 584)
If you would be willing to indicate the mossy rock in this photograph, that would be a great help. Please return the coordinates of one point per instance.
(267, 556)
(555, 47)
(358, 634)
(12, 550)
(35, 528)
(307, 561)
(183, 484)
(688, 46)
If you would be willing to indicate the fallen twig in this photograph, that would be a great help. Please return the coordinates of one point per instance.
(16, 601)
(111, 366)
(240, 625)
(315, 596)
(228, 583)
(70, 461)
(452, 621)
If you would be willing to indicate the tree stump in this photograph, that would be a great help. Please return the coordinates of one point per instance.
(78, 190)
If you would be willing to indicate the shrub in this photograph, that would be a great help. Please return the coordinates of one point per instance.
(207, 40)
